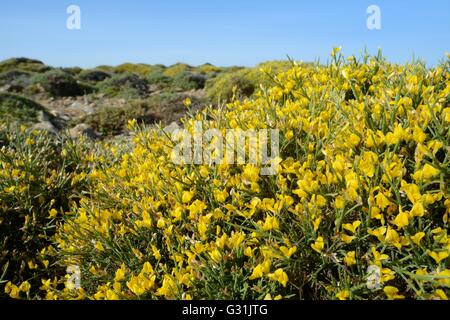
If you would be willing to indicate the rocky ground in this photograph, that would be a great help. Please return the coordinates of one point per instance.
(99, 102)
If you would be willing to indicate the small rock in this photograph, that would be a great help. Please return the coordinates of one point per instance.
(82, 129)
(81, 107)
(45, 126)
(171, 127)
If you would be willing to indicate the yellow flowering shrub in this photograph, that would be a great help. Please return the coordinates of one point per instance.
(357, 210)
(40, 175)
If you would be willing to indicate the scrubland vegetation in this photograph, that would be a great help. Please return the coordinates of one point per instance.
(359, 208)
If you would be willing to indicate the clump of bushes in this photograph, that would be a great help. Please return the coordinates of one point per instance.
(176, 69)
(74, 71)
(233, 84)
(58, 83)
(15, 80)
(137, 68)
(358, 207)
(93, 75)
(111, 121)
(189, 81)
(159, 80)
(23, 64)
(41, 174)
(207, 69)
(128, 85)
(15, 108)
(242, 82)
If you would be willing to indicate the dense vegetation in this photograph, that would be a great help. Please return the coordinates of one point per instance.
(358, 209)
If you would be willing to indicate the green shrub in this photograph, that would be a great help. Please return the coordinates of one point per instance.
(15, 108)
(189, 81)
(15, 80)
(207, 69)
(58, 83)
(227, 85)
(159, 79)
(137, 68)
(74, 71)
(242, 82)
(110, 121)
(40, 175)
(127, 85)
(93, 75)
(105, 68)
(176, 69)
(23, 64)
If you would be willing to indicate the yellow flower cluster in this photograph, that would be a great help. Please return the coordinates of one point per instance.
(358, 209)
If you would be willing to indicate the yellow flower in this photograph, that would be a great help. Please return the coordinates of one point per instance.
(392, 293)
(288, 252)
(289, 135)
(52, 213)
(375, 213)
(412, 191)
(402, 219)
(187, 102)
(379, 233)
(280, 276)
(318, 245)
(147, 268)
(387, 275)
(156, 252)
(349, 259)
(426, 173)
(393, 238)
(248, 252)
(378, 257)
(339, 202)
(25, 287)
(438, 256)
(335, 51)
(250, 174)
(168, 288)
(445, 277)
(120, 273)
(12, 290)
(352, 226)
(346, 238)
(260, 270)
(161, 223)
(417, 210)
(343, 295)
(221, 196)
(196, 207)
(99, 246)
(32, 265)
(215, 255)
(316, 223)
(417, 237)
(10, 189)
(187, 196)
(369, 159)
(111, 295)
(441, 294)
(271, 223)
(382, 201)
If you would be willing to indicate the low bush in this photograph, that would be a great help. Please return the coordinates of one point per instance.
(58, 83)
(41, 174)
(23, 64)
(18, 109)
(128, 85)
(93, 76)
(189, 81)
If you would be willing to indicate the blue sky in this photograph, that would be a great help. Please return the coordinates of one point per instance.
(228, 32)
